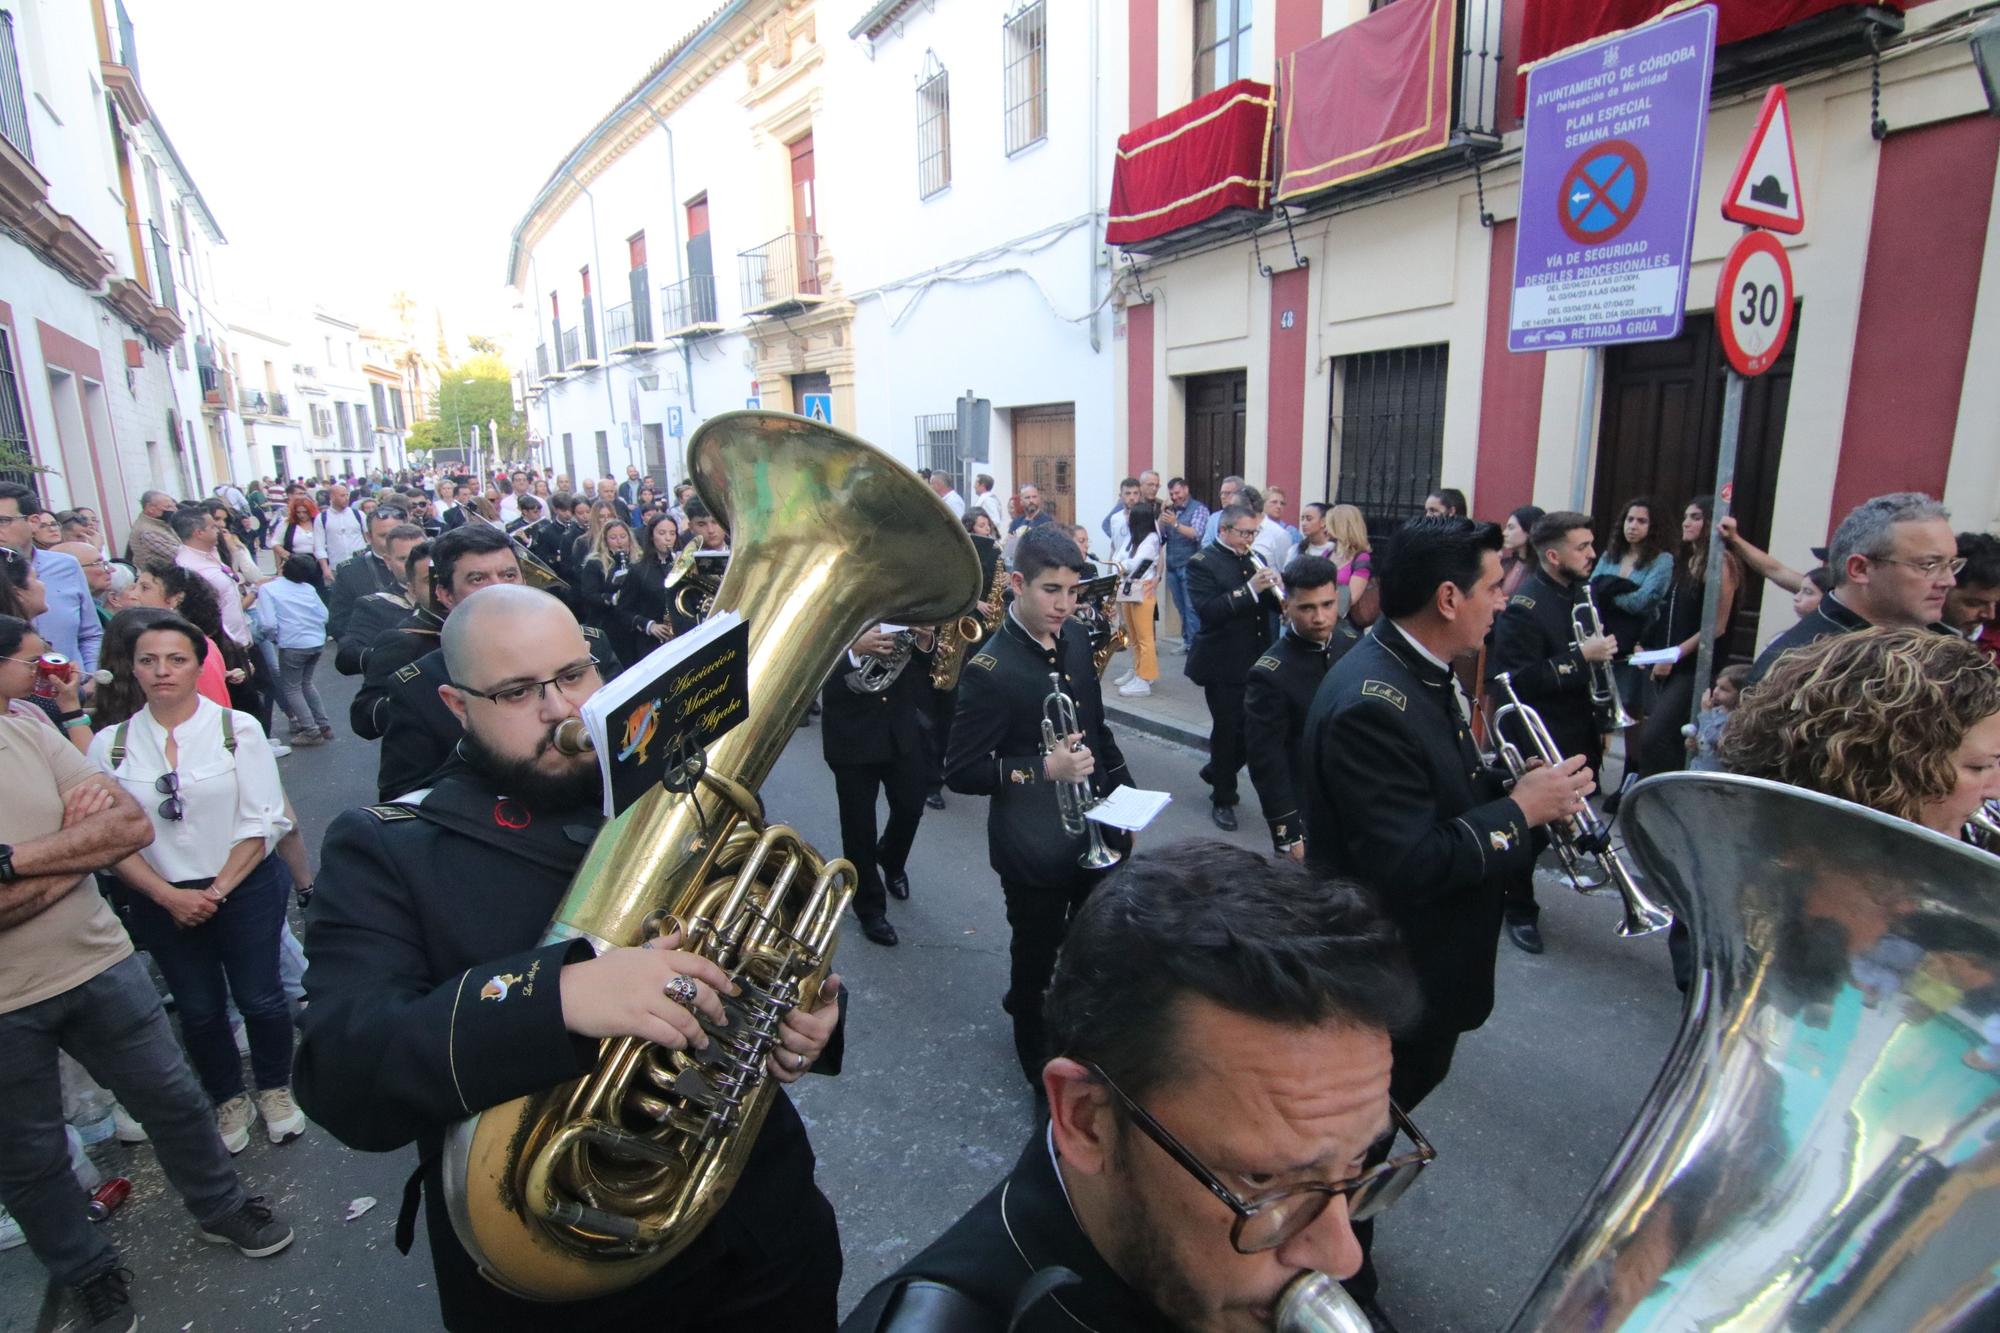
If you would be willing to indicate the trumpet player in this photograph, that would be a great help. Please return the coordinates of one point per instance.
(877, 740)
(1399, 798)
(433, 997)
(1235, 596)
(1535, 642)
(1280, 690)
(997, 751)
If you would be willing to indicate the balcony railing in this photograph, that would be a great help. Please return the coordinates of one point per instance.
(249, 400)
(541, 361)
(782, 273)
(571, 348)
(13, 103)
(621, 331)
(163, 270)
(688, 306)
(279, 407)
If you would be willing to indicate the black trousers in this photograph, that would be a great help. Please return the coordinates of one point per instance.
(1420, 1065)
(855, 787)
(1225, 740)
(1039, 918)
(1661, 746)
(944, 703)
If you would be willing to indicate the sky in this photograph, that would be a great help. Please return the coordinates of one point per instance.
(350, 151)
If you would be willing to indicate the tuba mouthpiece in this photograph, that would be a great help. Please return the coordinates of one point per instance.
(572, 737)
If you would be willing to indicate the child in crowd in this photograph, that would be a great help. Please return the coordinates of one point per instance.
(1716, 706)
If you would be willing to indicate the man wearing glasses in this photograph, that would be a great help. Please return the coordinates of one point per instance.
(1236, 600)
(70, 623)
(1894, 560)
(1219, 1112)
(433, 996)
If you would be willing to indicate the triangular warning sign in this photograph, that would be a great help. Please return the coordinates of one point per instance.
(1764, 192)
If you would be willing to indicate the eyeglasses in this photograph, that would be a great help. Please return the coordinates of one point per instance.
(1243, 532)
(514, 696)
(168, 784)
(1268, 1220)
(1930, 568)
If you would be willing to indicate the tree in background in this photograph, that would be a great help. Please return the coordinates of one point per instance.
(474, 392)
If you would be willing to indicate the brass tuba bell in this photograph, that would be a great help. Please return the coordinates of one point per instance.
(590, 1187)
(1819, 1151)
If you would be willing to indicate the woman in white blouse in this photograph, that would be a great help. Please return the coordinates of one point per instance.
(1139, 558)
(208, 898)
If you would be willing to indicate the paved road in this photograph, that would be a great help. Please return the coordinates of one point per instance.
(930, 1112)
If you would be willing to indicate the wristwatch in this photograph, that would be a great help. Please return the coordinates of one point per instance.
(7, 875)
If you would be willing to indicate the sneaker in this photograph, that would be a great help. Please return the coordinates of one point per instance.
(1126, 678)
(107, 1302)
(282, 1117)
(10, 1231)
(1134, 688)
(299, 738)
(279, 749)
(326, 732)
(253, 1229)
(124, 1126)
(233, 1120)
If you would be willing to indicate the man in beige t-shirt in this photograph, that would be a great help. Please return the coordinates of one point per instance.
(69, 981)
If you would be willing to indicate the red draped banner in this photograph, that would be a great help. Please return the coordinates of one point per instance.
(1369, 96)
(1211, 155)
(1549, 28)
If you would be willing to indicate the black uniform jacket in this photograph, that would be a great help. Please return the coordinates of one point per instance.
(1236, 627)
(393, 649)
(1398, 797)
(358, 575)
(642, 600)
(884, 728)
(1276, 699)
(1019, 1249)
(419, 733)
(596, 599)
(1829, 618)
(996, 750)
(372, 617)
(431, 999)
(1535, 640)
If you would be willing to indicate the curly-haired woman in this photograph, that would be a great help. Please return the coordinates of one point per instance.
(1905, 721)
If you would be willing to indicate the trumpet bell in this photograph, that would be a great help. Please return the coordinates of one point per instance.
(1819, 1150)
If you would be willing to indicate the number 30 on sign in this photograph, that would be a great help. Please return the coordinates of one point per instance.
(1753, 303)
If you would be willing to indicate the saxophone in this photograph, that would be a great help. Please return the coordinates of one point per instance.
(592, 1186)
(956, 639)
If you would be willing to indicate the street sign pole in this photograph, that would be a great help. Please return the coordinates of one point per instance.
(1725, 489)
(1586, 422)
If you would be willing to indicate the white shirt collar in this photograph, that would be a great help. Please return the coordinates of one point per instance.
(1422, 651)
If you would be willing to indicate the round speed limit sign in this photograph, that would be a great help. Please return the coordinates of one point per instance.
(1753, 303)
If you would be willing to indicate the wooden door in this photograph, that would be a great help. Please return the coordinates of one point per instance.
(1045, 455)
(805, 217)
(1217, 410)
(1661, 432)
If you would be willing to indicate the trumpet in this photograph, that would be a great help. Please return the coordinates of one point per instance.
(1257, 559)
(1073, 799)
(1582, 838)
(1585, 623)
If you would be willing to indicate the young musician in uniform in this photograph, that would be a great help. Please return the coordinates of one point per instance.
(1236, 600)
(1280, 689)
(877, 741)
(996, 751)
(1534, 641)
(1399, 798)
(433, 998)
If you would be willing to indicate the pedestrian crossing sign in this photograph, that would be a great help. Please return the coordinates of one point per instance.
(817, 407)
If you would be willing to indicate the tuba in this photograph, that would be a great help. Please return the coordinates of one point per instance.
(876, 674)
(587, 1188)
(535, 571)
(1819, 1150)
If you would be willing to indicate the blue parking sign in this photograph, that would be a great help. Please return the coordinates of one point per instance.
(674, 422)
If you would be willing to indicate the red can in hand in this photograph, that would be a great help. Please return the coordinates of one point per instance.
(51, 669)
(105, 1199)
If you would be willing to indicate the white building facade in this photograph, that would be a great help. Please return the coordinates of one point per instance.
(968, 148)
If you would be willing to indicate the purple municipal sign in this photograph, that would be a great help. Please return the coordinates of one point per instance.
(1610, 171)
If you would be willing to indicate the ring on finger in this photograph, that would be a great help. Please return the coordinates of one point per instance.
(681, 990)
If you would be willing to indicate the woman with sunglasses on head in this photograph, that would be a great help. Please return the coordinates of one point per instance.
(207, 898)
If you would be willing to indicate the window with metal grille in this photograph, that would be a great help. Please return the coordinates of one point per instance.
(1221, 43)
(1026, 76)
(933, 128)
(13, 101)
(15, 458)
(1385, 440)
(937, 448)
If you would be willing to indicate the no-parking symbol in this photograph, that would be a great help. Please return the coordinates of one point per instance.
(1602, 192)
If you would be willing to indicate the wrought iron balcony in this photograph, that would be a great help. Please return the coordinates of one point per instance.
(541, 361)
(626, 328)
(249, 400)
(688, 307)
(279, 407)
(13, 104)
(571, 349)
(781, 274)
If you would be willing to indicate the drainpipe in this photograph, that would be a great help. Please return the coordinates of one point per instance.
(674, 190)
(1096, 85)
(603, 335)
